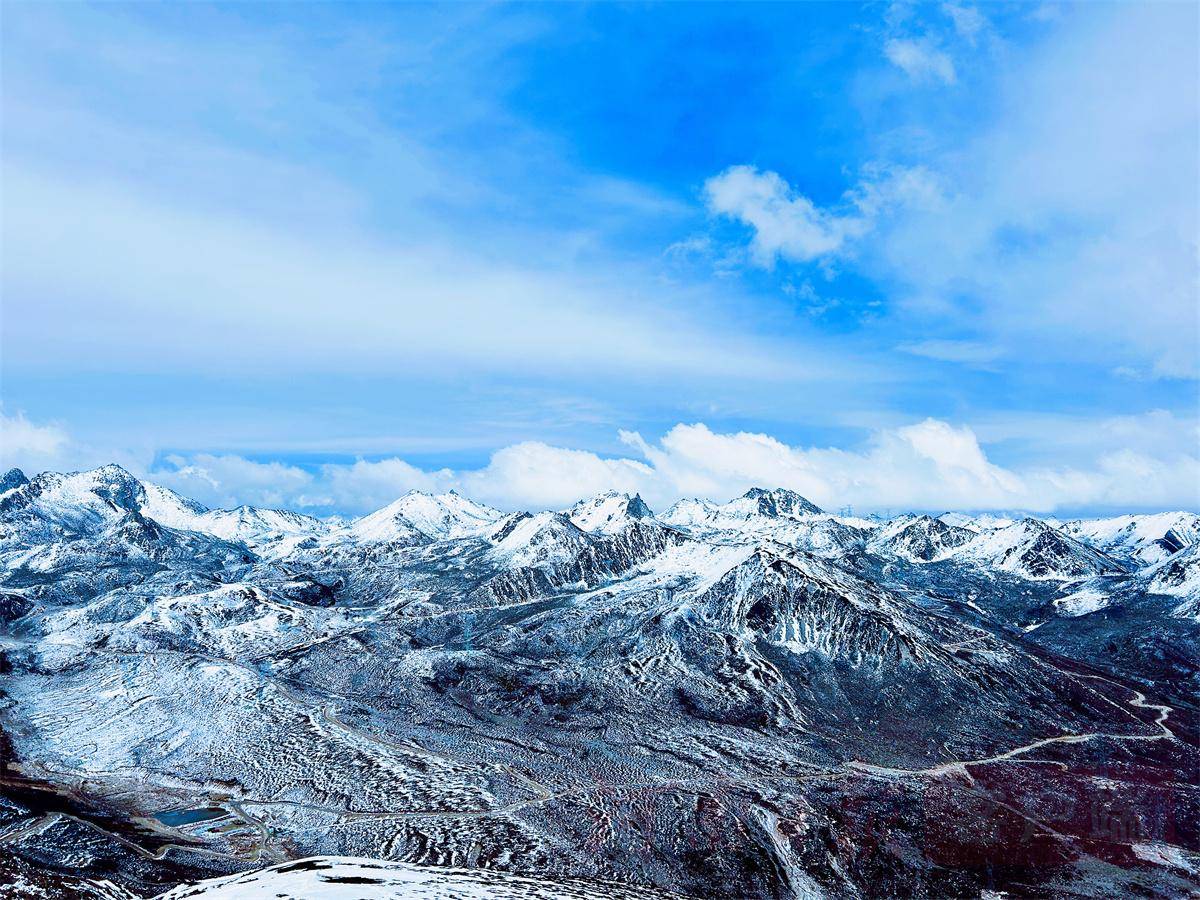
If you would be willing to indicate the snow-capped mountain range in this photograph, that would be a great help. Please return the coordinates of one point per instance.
(56, 506)
(593, 701)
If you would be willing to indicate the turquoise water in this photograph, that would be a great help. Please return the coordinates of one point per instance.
(175, 817)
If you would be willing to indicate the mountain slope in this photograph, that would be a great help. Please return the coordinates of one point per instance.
(1033, 549)
(341, 878)
(608, 512)
(757, 508)
(921, 538)
(419, 517)
(1142, 540)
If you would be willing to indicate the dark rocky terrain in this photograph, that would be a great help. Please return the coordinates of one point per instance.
(750, 699)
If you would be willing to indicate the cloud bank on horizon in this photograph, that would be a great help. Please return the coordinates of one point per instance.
(930, 465)
(928, 256)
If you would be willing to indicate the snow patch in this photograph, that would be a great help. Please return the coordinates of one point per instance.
(1082, 602)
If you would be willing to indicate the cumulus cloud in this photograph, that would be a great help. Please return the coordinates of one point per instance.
(364, 485)
(537, 475)
(921, 60)
(35, 446)
(787, 224)
(925, 465)
(229, 480)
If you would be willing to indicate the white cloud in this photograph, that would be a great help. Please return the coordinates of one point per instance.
(536, 475)
(921, 60)
(228, 480)
(968, 21)
(927, 465)
(787, 224)
(34, 447)
(25, 443)
(1046, 12)
(1157, 431)
(134, 210)
(968, 352)
(301, 303)
(885, 188)
(366, 486)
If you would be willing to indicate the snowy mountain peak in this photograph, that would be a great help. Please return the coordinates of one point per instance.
(544, 538)
(116, 485)
(977, 523)
(254, 525)
(417, 517)
(780, 502)
(608, 512)
(13, 478)
(73, 503)
(638, 508)
(756, 509)
(921, 538)
(1032, 549)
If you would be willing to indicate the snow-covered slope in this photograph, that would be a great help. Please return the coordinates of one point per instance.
(255, 526)
(808, 604)
(757, 508)
(171, 509)
(252, 525)
(227, 619)
(1140, 539)
(418, 517)
(1176, 576)
(978, 523)
(546, 538)
(834, 537)
(345, 878)
(1032, 549)
(52, 505)
(920, 538)
(608, 512)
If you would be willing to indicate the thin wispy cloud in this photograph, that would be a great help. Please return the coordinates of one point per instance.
(968, 21)
(921, 60)
(969, 352)
(1072, 224)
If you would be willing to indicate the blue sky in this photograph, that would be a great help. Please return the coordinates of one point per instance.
(315, 255)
